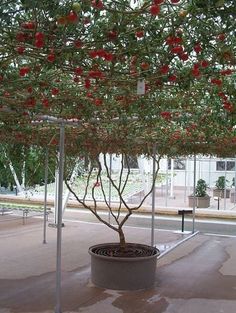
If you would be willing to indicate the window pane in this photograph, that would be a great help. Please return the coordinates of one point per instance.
(179, 164)
(230, 165)
(220, 165)
(132, 162)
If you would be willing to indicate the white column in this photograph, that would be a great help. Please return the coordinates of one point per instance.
(167, 181)
(45, 196)
(56, 195)
(172, 180)
(109, 196)
(194, 192)
(59, 216)
(225, 185)
(153, 195)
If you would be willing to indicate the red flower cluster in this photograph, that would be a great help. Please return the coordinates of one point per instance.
(101, 53)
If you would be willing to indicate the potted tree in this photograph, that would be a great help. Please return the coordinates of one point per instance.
(221, 190)
(202, 198)
(118, 265)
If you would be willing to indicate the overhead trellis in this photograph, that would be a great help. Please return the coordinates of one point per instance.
(127, 73)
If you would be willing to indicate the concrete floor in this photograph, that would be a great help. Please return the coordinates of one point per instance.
(199, 275)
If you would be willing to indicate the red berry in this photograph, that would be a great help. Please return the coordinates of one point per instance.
(51, 57)
(95, 74)
(139, 34)
(216, 81)
(87, 83)
(39, 36)
(21, 37)
(78, 43)
(98, 4)
(93, 54)
(164, 69)
(21, 50)
(28, 25)
(158, 1)
(45, 102)
(39, 43)
(226, 72)
(183, 56)
(166, 115)
(204, 63)
(108, 57)
(155, 9)
(78, 71)
(195, 72)
(177, 50)
(62, 20)
(55, 91)
(221, 37)
(30, 89)
(145, 66)
(31, 102)
(72, 17)
(175, 1)
(24, 71)
(172, 78)
(197, 48)
(112, 35)
(98, 102)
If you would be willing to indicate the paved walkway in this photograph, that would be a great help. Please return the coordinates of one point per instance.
(198, 275)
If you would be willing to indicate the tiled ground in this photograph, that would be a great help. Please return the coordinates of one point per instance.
(199, 275)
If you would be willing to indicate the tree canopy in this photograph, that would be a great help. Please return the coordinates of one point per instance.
(124, 74)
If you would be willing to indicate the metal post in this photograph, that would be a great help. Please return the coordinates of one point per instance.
(209, 173)
(167, 181)
(194, 191)
(56, 194)
(172, 179)
(45, 196)
(225, 185)
(153, 195)
(234, 181)
(59, 219)
(185, 179)
(182, 221)
(109, 199)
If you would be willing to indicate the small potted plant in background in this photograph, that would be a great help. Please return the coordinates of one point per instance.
(202, 198)
(221, 190)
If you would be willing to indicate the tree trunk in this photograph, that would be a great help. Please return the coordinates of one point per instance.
(122, 239)
(18, 185)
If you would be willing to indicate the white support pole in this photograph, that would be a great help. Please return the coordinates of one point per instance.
(167, 181)
(172, 180)
(225, 185)
(209, 173)
(109, 195)
(45, 196)
(59, 216)
(56, 194)
(185, 180)
(153, 195)
(194, 192)
(234, 181)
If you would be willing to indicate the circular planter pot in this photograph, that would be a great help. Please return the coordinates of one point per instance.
(111, 271)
